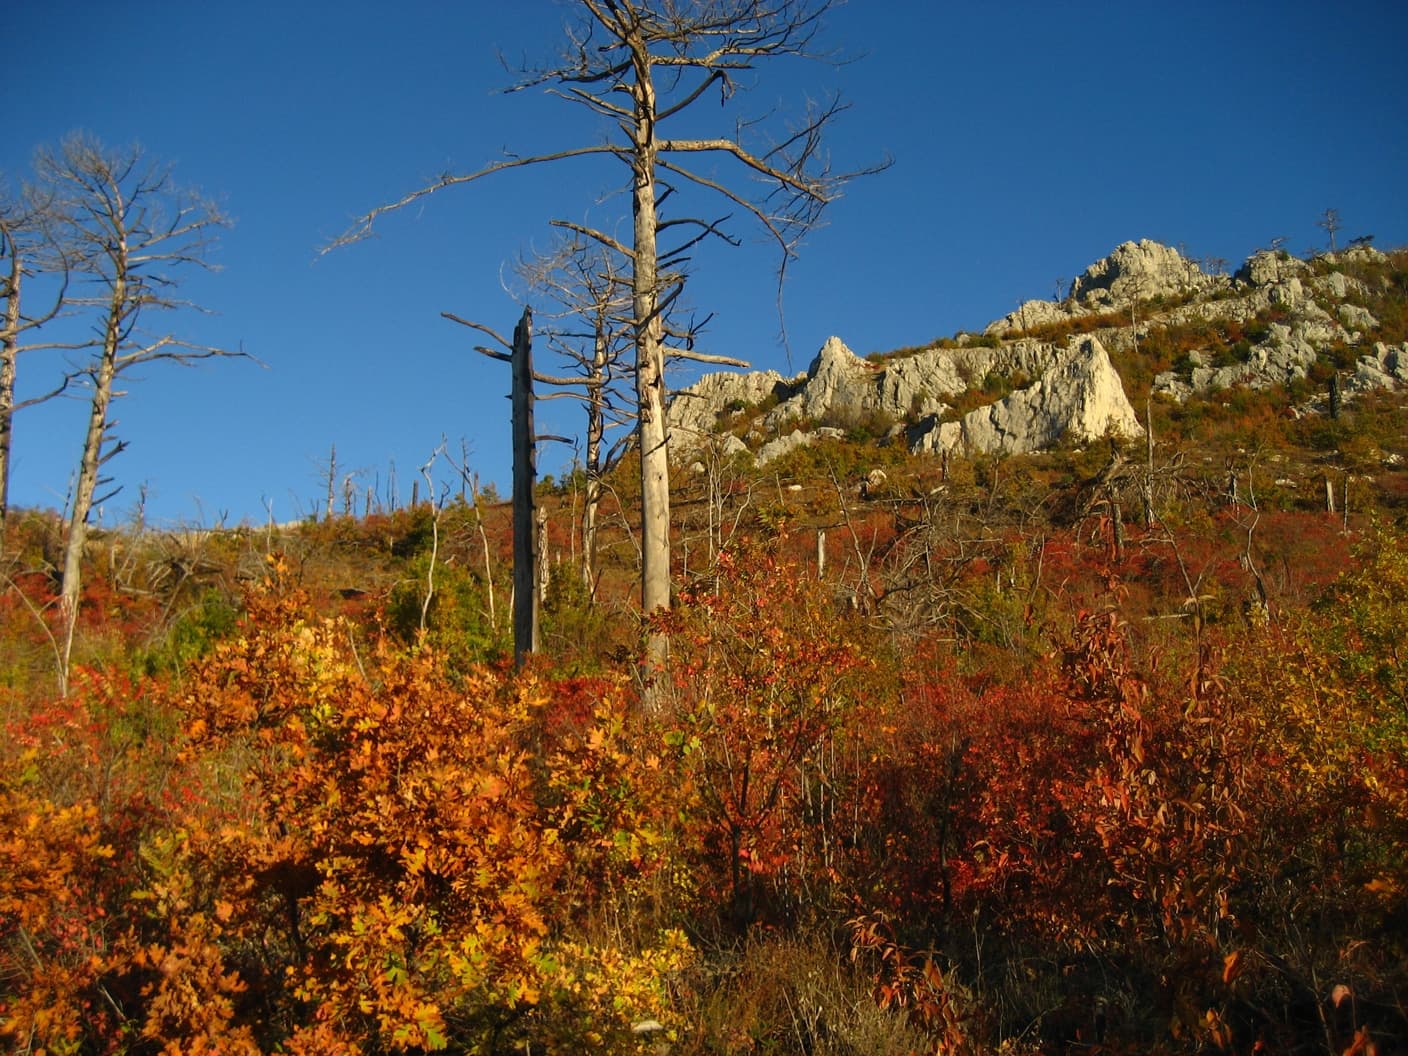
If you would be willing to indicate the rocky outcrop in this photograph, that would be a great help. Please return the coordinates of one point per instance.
(842, 388)
(1383, 367)
(785, 445)
(1061, 393)
(1267, 267)
(1138, 270)
(1142, 270)
(694, 411)
(1291, 310)
(1078, 398)
(1315, 315)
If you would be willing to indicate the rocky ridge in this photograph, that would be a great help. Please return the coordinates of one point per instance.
(1056, 390)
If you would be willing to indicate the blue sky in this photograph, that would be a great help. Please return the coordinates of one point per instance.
(1028, 140)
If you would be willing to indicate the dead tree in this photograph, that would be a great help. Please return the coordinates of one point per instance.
(589, 297)
(1330, 222)
(640, 65)
(132, 232)
(525, 477)
(28, 247)
(588, 289)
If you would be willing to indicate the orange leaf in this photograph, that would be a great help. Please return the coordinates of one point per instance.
(1231, 966)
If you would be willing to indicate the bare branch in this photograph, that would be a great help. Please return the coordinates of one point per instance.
(702, 357)
(362, 226)
(483, 329)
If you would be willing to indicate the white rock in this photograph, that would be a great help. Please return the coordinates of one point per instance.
(1357, 318)
(1079, 398)
(1135, 270)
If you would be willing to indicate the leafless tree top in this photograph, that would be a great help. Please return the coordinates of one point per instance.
(131, 232)
(644, 63)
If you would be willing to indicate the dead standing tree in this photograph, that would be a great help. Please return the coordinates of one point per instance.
(28, 249)
(525, 474)
(590, 298)
(640, 65)
(131, 232)
(590, 327)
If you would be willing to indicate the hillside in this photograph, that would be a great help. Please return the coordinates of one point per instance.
(1140, 323)
(1037, 690)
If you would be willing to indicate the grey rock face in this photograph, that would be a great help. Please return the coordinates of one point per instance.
(785, 445)
(1136, 270)
(1079, 397)
(1384, 367)
(1357, 318)
(1266, 267)
(694, 411)
(1059, 392)
(1318, 318)
(1072, 392)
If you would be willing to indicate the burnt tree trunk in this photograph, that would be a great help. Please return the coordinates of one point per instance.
(525, 476)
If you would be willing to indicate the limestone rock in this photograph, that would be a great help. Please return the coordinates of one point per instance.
(694, 411)
(1066, 392)
(1385, 367)
(1033, 314)
(785, 445)
(1266, 267)
(1135, 270)
(839, 385)
(1138, 270)
(1364, 255)
(1079, 397)
(1357, 318)
(1059, 392)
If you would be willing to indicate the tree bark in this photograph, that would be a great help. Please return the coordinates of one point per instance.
(128, 230)
(596, 432)
(90, 463)
(650, 378)
(9, 356)
(525, 473)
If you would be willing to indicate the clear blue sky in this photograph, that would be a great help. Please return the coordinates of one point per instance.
(1028, 138)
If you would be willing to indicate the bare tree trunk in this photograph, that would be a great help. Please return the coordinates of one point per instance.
(484, 544)
(596, 431)
(701, 46)
(22, 233)
(131, 230)
(9, 354)
(332, 482)
(542, 556)
(525, 472)
(650, 382)
(1149, 468)
(88, 468)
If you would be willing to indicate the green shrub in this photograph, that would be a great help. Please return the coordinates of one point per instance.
(458, 621)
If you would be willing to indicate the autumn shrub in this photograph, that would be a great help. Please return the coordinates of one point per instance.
(1323, 696)
(1087, 847)
(190, 635)
(421, 847)
(323, 844)
(102, 946)
(766, 678)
